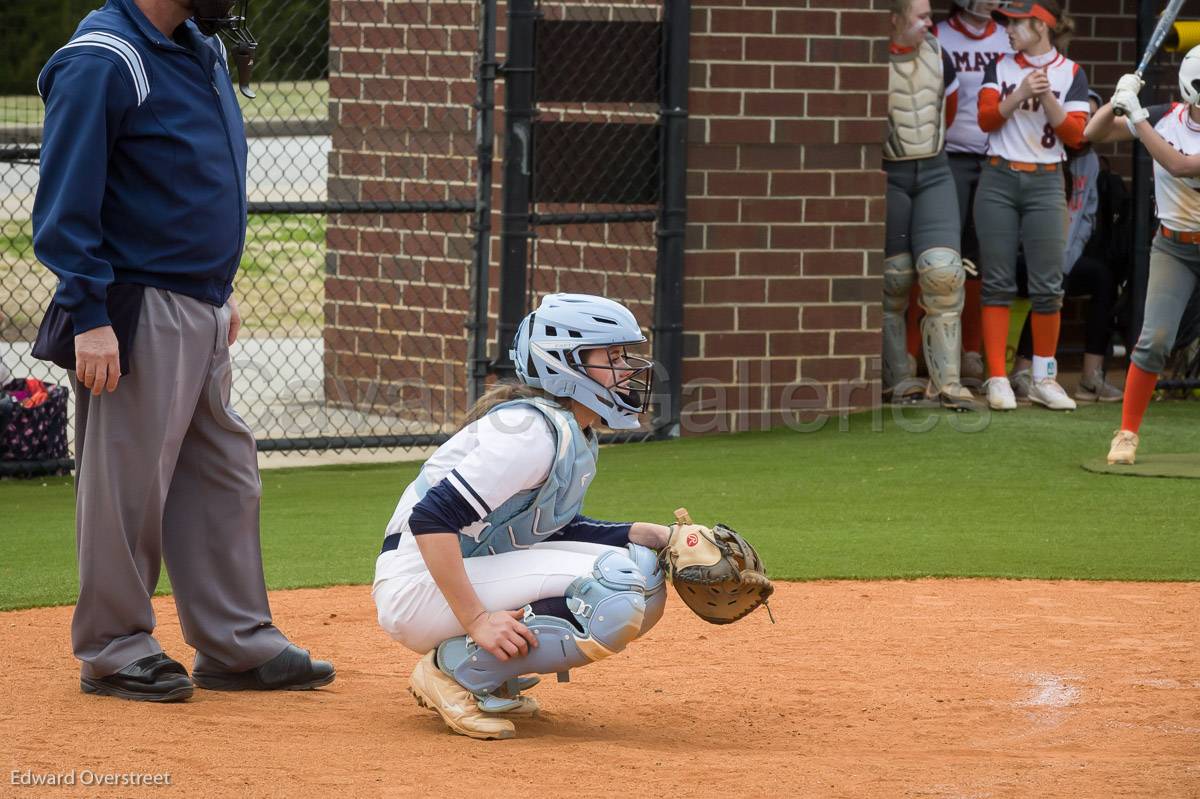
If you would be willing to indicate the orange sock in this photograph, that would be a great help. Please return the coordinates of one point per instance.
(972, 330)
(1045, 333)
(1139, 388)
(995, 338)
(913, 322)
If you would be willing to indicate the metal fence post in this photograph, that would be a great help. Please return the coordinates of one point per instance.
(485, 126)
(668, 284)
(518, 70)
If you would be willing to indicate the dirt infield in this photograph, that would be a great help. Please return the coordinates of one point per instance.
(947, 688)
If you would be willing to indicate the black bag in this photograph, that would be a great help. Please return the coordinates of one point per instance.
(56, 335)
(34, 434)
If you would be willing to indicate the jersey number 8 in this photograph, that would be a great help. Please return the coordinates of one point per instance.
(1049, 138)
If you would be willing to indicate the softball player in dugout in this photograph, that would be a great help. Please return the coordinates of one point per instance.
(1031, 105)
(488, 569)
(922, 240)
(1171, 134)
(973, 40)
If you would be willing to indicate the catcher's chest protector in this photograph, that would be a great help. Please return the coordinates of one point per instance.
(532, 516)
(916, 86)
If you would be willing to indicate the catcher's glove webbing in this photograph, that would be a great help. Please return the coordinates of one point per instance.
(717, 573)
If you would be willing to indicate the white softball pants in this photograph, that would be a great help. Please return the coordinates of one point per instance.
(412, 610)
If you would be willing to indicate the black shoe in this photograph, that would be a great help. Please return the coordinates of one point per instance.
(155, 678)
(291, 670)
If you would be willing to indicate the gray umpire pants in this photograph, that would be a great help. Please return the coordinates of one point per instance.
(1021, 209)
(1174, 275)
(166, 470)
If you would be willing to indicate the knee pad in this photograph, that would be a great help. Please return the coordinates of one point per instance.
(898, 276)
(609, 606)
(646, 560)
(942, 276)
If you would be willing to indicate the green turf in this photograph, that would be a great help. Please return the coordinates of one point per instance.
(1009, 501)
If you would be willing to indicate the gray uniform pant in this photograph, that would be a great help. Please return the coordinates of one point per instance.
(1174, 275)
(1021, 209)
(922, 206)
(966, 169)
(166, 470)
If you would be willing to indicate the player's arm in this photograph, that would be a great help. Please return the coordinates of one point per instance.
(1141, 122)
(649, 534)
(1106, 126)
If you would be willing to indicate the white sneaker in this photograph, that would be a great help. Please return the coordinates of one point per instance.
(1124, 447)
(1049, 393)
(436, 690)
(1000, 394)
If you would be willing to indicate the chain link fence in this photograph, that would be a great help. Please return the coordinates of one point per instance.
(368, 285)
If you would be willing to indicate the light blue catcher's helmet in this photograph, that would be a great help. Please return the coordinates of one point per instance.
(548, 353)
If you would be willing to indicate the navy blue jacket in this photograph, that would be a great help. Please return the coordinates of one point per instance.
(143, 167)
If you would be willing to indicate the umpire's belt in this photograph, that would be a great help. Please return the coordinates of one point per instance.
(1181, 236)
(1022, 166)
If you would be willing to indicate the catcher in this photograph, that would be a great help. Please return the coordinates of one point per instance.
(488, 569)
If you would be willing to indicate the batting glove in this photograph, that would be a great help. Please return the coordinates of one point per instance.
(1129, 83)
(1128, 103)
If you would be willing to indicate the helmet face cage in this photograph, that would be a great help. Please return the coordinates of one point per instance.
(630, 393)
(549, 354)
(219, 16)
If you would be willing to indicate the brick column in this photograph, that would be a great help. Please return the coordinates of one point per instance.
(397, 296)
(785, 209)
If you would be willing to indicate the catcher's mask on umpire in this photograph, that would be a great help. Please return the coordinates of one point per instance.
(548, 352)
(219, 16)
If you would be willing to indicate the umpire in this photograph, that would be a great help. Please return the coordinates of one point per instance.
(141, 214)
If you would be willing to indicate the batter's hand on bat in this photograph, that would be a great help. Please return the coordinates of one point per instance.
(1129, 83)
(1127, 104)
(502, 633)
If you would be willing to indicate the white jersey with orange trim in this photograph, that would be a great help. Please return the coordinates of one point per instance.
(970, 53)
(1178, 199)
(1028, 135)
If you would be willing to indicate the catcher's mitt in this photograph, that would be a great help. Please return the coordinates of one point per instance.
(717, 573)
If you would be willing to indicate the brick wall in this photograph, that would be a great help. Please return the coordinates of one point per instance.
(785, 210)
(786, 202)
(397, 285)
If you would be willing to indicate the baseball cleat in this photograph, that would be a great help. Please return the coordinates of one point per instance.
(957, 398)
(1000, 394)
(1124, 448)
(458, 707)
(1048, 393)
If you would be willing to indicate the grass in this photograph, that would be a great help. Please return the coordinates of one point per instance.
(1010, 501)
(280, 284)
(279, 100)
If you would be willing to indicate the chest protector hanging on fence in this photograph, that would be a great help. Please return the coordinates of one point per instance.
(916, 97)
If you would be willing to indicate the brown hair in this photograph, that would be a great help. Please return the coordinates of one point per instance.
(503, 392)
(900, 7)
(1061, 33)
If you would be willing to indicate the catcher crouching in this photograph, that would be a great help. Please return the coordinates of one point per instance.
(489, 570)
